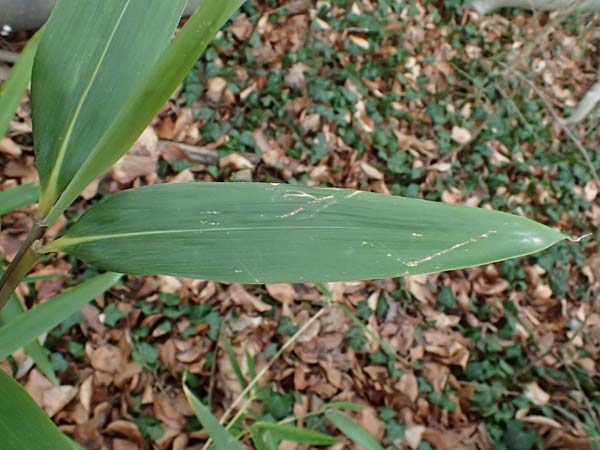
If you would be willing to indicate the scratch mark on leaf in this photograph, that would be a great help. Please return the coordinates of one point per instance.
(353, 194)
(301, 195)
(293, 213)
(449, 249)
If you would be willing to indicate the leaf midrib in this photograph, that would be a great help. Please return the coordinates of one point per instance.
(65, 242)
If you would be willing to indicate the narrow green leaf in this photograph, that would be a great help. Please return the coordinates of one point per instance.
(19, 197)
(93, 55)
(149, 93)
(353, 431)
(234, 364)
(258, 440)
(223, 440)
(14, 88)
(26, 328)
(23, 425)
(263, 233)
(40, 356)
(291, 433)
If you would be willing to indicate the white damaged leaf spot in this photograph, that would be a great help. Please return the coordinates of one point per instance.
(292, 213)
(449, 249)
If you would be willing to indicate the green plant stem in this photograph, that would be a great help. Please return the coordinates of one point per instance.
(21, 264)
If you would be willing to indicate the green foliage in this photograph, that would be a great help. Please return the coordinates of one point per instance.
(19, 415)
(13, 89)
(283, 432)
(71, 79)
(112, 315)
(25, 328)
(18, 197)
(335, 235)
(223, 440)
(224, 232)
(150, 88)
(353, 430)
(150, 427)
(34, 349)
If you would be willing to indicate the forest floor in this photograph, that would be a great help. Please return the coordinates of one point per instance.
(423, 99)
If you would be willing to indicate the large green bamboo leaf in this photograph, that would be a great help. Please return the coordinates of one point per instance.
(24, 329)
(264, 233)
(145, 97)
(18, 197)
(13, 89)
(90, 59)
(23, 425)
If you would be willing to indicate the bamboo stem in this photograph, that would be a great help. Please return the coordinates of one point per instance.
(22, 263)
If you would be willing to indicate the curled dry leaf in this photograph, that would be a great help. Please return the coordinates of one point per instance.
(536, 394)
(461, 135)
(413, 436)
(408, 385)
(243, 298)
(235, 161)
(283, 293)
(52, 399)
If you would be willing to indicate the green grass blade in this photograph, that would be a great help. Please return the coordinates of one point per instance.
(263, 233)
(258, 440)
(90, 60)
(234, 364)
(223, 440)
(14, 88)
(291, 433)
(353, 431)
(23, 425)
(149, 93)
(35, 349)
(26, 328)
(251, 365)
(19, 197)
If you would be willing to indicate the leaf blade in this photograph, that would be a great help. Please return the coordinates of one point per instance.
(148, 97)
(34, 349)
(89, 50)
(262, 233)
(223, 440)
(353, 430)
(13, 89)
(18, 414)
(26, 328)
(19, 197)
(291, 433)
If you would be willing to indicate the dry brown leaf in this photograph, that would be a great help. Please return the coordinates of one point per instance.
(243, 298)
(461, 135)
(283, 293)
(413, 436)
(536, 394)
(107, 358)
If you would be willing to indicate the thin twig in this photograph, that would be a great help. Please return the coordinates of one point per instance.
(559, 121)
